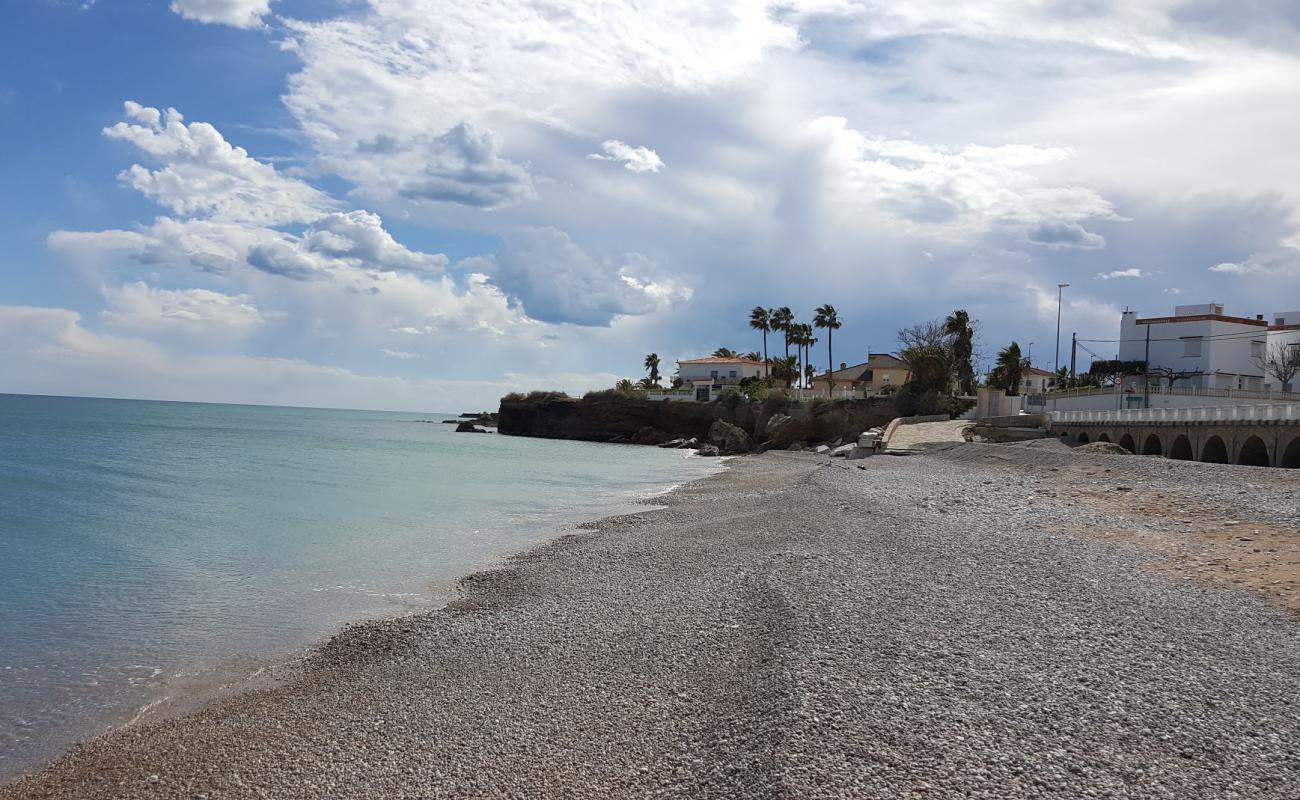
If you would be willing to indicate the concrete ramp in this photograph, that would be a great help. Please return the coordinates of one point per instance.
(907, 437)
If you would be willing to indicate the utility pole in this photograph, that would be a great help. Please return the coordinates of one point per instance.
(1146, 372)
(1074, 352)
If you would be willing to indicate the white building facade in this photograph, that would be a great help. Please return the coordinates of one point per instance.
(1217, 351)
(709, 376)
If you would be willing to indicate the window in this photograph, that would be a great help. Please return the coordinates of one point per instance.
(1191, 347)
(713, 373)
(1256, 349)
(883, 378)
(731, 374)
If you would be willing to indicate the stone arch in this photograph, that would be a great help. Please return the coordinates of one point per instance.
(1083, 438)
(1214, 451)
(1253, 453)
(1181, 449)
(1291, 455)
(1103, 437)
(1152, 446)
(1126, 442)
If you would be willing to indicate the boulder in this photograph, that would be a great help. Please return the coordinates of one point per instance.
(861, 452)
(649, 435)
(822, 449)
(673, 443)
(783, 430)
(690, 444)
(729, 439)
(843, 450)
(708, 450)
(468, 427)
(794, 447)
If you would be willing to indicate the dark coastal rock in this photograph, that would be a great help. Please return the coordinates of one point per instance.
(729, 439)
(784, 430)
(469, 427)
(649, 435)
(708, 450)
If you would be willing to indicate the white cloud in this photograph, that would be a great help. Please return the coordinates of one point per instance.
(390, 353)
(1284, 262)
(635, 159)
(189, 312)
(239, 13)
(555, 280)
(205, 176)
(1122, 273)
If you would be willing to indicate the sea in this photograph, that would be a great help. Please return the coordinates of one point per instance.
(148, 548)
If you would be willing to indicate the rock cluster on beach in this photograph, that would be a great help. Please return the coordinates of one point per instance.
(950, 625)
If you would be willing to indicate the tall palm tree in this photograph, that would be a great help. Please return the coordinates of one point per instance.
(808, 341)
(652, 366)
(760, 319)
(801, 337)
(781, 320)
(826, 317)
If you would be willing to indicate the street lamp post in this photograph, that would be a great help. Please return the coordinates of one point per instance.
(1056, 364)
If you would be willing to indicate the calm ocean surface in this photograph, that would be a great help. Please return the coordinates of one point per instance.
(143, 544)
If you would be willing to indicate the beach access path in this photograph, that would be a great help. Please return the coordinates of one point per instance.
(983, 621)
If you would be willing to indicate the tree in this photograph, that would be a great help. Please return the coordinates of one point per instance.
(782, 319)
(801, 337)
(1282, 361)
(961, 342)
(809, 372)
(647, 385)
(626, 387)
(760, 319)
(784, 369)
(724, 352)
(827, 317)
(652, 366)
(1006, 375)
(753, 355)
(1173, 374)
(928, 352)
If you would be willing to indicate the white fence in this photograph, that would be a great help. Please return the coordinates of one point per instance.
(1275, 412)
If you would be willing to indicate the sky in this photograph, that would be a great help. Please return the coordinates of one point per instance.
(424, 204)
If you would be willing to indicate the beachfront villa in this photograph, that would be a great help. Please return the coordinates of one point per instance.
(879, 372)
(1215, 350)
(709, 376)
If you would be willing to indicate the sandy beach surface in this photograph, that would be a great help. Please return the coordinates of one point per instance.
(977, 621)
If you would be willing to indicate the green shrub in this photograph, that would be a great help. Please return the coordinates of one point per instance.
(776, 400)
(730, 398)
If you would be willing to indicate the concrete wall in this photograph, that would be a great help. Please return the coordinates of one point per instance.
(1110, 401)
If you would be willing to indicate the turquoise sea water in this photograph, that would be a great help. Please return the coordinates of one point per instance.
(143, 543)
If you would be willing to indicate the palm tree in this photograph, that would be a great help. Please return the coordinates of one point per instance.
(760, 319)
(827, 317)
(808, 341)
(801, 337)
(754, 355)
(724, 352)
(625, 387)
(1006, 375)
(652, 366)
(782, 319)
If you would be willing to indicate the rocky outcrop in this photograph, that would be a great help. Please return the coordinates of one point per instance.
(729, 439)
(469, 427)
(783, 430)
(772, 425)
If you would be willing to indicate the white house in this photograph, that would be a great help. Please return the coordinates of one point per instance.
(1199, 339)
(1036, 381)
(709, 376)
(1285, 330)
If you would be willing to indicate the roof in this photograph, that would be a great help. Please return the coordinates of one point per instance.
(874, 361)
(716, 360)
(1037, 371)
(1201, 318)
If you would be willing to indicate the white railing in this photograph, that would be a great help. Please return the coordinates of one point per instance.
(1278, 412)
(1177, 391)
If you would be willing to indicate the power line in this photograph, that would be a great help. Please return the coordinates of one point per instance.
(1215, 337)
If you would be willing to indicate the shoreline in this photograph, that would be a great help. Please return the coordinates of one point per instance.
(247, 673)
(788, 625)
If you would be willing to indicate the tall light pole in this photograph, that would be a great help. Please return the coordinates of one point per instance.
(1056, 364)
(1029, 354)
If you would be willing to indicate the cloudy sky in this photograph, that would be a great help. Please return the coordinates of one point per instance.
(422, 204)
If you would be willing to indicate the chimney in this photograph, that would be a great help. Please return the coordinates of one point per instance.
(843, 365)
(1259, 317)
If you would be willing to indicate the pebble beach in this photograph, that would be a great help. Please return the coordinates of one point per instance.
(973, 621)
